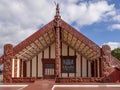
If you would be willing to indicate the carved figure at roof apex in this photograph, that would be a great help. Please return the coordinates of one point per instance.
(57, 16)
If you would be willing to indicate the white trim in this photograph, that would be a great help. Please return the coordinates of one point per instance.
(86, 86)
(22, 86)
(13, 67)
(18, 68)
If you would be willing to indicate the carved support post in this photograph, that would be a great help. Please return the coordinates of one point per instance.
(106, 62)
(57, 52)
(8, 56)
(57, 41)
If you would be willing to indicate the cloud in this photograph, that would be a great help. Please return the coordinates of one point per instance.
(113, 45)
(20, 18)
(87, 13)
(116, 18)
(114, 27)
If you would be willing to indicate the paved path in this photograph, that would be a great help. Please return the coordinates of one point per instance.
(50, 85)
(40, 85)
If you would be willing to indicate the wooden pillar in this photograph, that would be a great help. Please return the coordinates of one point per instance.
(57, 52)
(94, 68)
(8, 56)
(24, 69)
(30, 68)
(21, 68)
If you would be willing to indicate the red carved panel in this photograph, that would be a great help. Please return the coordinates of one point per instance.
(8, 56)
(76, 80)
(115, 75)
(24, 80)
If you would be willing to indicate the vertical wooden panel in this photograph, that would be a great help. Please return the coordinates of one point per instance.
(81, 65)
(42, 54)
(49, 52)
(21, 67)
(96, 68)
(61, 48)
(68, 50)
(30, 68)
(87, 68)
(92, 69)
(36, 66)
(100, 68)
(15, 67)
(24, 69)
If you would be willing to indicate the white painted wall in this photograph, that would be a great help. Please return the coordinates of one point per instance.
(78, 66)
(28, 68)
(46, 53)
(40, 73)
(89, 69)
(84, 68)
(34, 67)
(71, 52)
(53, 50)
(64, 53)
(64, 49)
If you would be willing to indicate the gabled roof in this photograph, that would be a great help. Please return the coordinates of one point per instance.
(45, 36)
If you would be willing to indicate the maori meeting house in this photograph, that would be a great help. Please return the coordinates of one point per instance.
(61, 53)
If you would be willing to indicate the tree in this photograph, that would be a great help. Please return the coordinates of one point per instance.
(116, 53)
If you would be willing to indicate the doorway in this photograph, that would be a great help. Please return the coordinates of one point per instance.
(48, 68)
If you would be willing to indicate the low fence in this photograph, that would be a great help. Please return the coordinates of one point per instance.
(23, 80)
(81, 79)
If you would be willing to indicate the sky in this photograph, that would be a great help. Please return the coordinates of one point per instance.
(99, 20)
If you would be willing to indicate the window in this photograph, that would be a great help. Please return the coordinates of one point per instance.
(68, 64)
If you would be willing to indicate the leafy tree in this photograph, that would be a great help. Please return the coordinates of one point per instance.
(116, 53)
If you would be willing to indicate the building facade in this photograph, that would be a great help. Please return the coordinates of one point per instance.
(58, 51)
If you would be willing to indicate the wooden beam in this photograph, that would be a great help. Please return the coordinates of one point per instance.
(49, 36)
(75, 43)
(73, 48)
(41, 42)
(45, 40)
(89, 52)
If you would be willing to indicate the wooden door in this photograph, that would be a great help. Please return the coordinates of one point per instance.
(48, 68)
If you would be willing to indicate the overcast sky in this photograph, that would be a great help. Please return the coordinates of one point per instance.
(99, 20)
